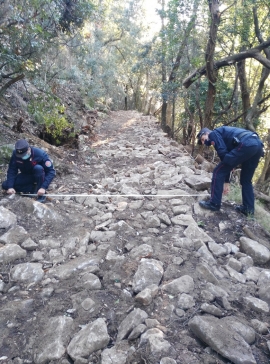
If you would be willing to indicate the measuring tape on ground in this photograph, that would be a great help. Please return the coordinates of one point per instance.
(104, 195)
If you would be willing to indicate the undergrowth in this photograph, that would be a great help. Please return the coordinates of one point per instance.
(261, 215)
(49, 112)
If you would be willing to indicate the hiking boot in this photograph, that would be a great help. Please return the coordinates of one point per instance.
(243, 210)
(209, 205)
(41, 199)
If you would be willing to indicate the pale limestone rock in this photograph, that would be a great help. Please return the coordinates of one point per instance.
(185, 301)
(184, 284)
(7, 218)
(252, 274)
(90, 338)
(256, 304)
(141, 251)
(150, 271)
(137, 331)
(217, 250)
(199, 183)
(27, 273)
(15, 235)
(10, 253)
(194, 232)
(210, 330)
(29, 244)
(206, 274)
(132, 320)
(52, 342)
(212, 310)
(235, 275)
(118, 354)
(235, 264)
(145, 297)
(261, 327)
(258, 252)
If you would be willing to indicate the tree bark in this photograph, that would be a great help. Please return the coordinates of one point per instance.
(264, 174)
(163, 71)
(262, 196)
(211, 71)
(253, 112)
(245, 94)
(126, 97)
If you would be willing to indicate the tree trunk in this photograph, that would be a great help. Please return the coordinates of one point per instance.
(245, 94)
(254, 112)
(163, 114)
(163, 71)
(266, 168)
(126, 97)
(170, 87)
(189, 130)
(169, 110)
(262, 196)
(263, 180)
(173, 116)
(211, 72)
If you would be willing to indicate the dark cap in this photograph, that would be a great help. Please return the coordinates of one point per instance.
(201, 133)
(21, 147)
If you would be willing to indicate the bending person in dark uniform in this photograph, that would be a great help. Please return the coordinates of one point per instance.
(30, 171)
(234, 146)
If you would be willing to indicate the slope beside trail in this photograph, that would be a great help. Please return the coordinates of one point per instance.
(121, 265)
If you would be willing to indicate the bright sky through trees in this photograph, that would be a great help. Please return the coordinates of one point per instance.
(152, 18)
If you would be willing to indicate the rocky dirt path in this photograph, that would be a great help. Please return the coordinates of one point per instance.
(129, 269)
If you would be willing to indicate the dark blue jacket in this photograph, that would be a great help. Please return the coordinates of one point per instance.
(38, 156)
(222, 140)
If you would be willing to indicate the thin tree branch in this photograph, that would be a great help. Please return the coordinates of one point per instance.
(113, 39)
(10, 82)
(228, 61)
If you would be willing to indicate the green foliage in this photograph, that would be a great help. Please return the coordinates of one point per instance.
(235, 193)
(197, 95)
(49, 113)
(261, 216)
(73, 14)
(102, 60)
(201, 224)
(29, 28)
(5, 152)
(55, 124)
(101, 48)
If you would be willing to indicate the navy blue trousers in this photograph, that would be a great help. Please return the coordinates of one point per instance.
(248, 154)
(28, 183)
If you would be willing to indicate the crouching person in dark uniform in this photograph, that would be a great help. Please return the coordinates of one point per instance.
(30, 171)
(234, 146)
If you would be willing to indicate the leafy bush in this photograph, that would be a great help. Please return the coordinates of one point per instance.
(5, 152)
(50, 114)
(55, 124)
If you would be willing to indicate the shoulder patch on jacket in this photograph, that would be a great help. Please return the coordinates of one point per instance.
(48, 163)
